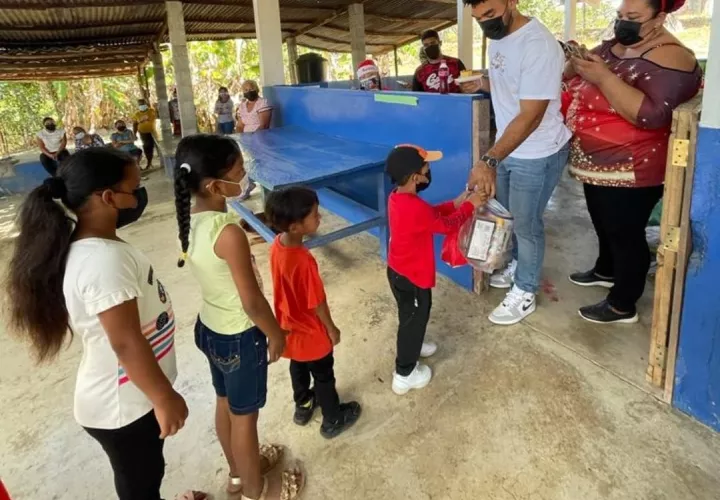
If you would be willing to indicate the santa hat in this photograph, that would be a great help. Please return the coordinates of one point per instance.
(367, 69)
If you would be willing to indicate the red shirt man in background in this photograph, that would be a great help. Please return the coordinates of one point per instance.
(426, 77)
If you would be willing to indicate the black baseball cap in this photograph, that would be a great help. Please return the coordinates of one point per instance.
(407, 159)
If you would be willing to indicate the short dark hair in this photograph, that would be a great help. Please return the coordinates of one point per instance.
(288, 206)
(48, 118)
(223, 88)
(473, 3)
(429, 34)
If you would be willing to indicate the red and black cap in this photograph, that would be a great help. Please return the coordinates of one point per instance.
(407, 159)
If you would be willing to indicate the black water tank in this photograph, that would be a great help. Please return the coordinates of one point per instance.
(311, 68)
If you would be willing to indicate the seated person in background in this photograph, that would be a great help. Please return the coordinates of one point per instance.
(174, 107)
(368, 75)
(52, 143)
(124, 139)
(619, 105)
(144, 124)
(83, 140)
(254, 112)
(426, 76)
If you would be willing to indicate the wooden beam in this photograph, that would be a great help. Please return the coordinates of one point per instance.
(81, 62)
(320, 22)
(373, 33)
(86, 25)
(129, 50)
(342, 42)
(409, 19)
(99, 41)
(62, 4)
(436, 27)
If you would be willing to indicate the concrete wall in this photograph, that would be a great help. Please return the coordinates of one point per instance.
(697, 375)
(441, 122)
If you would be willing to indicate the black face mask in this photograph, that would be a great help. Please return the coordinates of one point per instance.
(424, 186)
(627, 32)
(495, 28)
(121, 128)
(432, 51)
(252, 95)
(50, 127)
(129, 215)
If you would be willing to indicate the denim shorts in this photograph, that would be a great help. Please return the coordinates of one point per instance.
(238, 365)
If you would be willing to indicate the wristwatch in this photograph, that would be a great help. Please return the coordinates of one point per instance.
(490, 161)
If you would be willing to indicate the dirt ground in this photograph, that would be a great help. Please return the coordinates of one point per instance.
(551, 409)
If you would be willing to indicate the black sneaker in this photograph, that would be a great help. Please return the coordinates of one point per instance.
(349, 414)
(590, 278)
(304, 413)
(603, 313)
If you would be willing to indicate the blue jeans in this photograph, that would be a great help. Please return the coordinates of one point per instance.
(226, 128)
(524, 187)
(238, 365)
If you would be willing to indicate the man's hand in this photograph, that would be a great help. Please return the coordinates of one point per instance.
(475, 86)
(334, 334)
(171, 413)
(478, 198)
(482, 178)
(276, 346)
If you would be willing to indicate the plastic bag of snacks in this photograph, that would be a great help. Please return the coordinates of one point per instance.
(486, 239)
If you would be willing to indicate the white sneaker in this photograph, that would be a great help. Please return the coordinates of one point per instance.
(514, 308)
(418, 378)
(428, 349)
(505, 277)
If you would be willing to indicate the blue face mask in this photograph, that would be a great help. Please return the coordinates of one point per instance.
(143, 107)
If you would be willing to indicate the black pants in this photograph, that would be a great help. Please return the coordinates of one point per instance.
(324, 390)
(620, 216)
(136, 456)
(50, 164)
(414, 304)
(148, 143)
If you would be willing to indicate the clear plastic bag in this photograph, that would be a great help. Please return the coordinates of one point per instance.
(486, 239)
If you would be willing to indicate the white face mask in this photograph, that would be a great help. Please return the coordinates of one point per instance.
(79, 136)
(242, 185)
(143, 107)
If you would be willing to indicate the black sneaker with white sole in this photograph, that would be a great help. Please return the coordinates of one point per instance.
(591, 278)
(603, 313)
(304, 413)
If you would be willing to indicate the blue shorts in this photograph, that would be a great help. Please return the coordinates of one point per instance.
(238, 365)
(226, 128)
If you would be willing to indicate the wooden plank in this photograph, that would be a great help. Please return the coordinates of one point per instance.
(480, 145)
(683, 253)
(667, 257)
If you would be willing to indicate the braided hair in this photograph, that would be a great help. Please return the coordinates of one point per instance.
(34, 284)
(198, 157)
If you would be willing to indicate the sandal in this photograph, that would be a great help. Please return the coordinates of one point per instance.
(293, 483)
(272, 453)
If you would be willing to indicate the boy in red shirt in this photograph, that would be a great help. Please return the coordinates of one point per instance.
(301, 308)
(411, 256)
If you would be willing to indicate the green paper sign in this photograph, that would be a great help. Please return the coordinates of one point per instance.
(406, 100)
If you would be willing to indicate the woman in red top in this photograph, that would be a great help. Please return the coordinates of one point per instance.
(619, 102)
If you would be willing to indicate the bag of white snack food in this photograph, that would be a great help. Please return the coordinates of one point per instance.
(486, 239)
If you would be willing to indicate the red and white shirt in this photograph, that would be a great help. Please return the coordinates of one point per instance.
(101, 274)
(426, 77)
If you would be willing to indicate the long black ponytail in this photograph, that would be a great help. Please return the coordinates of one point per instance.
(34, 283)
(198, 157)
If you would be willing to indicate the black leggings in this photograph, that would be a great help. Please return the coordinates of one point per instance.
(620, 216)
(136, 457)
(50, 164)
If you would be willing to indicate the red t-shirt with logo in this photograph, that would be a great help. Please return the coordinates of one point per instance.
(427, 80)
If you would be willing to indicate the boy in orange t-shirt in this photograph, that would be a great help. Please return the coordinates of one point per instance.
(301, 308)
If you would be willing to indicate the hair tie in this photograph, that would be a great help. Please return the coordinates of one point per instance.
(185, 167)
(56, 187)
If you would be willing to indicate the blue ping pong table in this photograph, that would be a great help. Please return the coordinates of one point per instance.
(293, 156)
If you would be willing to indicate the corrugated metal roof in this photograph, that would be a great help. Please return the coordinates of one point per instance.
(47, 36)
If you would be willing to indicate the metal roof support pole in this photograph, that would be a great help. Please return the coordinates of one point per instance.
(269, 37)
(710, 115)
(162, 95)
(356, 12)
(181, 64)
(465, 33)
(570, 19)
(292, 59)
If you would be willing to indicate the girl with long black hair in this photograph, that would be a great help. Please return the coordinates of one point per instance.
(70, 273)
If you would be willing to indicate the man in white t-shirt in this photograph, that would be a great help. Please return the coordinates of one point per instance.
(52, 142)
(531, 150)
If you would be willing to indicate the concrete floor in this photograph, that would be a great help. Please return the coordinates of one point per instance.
(554, 408)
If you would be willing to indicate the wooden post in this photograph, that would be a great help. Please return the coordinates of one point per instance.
(674, 248)
(481, 137)
(484, 52)
(292, 59)
(397, 68)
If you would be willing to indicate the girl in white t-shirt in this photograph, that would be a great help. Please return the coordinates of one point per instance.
(79, 276)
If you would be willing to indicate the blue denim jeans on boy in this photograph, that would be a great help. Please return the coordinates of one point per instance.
(238, 365)
(226, 128)
(524, 187)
